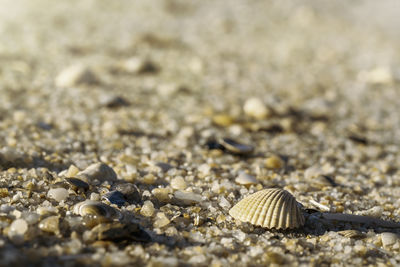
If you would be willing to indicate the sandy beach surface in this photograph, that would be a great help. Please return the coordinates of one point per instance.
(129, 129)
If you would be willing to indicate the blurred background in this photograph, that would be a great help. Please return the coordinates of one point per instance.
(173, 61)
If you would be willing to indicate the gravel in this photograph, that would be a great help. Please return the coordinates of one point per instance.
(162, 115)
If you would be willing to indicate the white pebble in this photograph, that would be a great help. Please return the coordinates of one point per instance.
(178, 183)
(254, 107)
(147, 209)
(98, 171)
(19, 227)
(245, 179)
(58, 194)
(198, 259)
(75, 75)
(389, 239)
(224, 203)
(187, 197)
(95, 196)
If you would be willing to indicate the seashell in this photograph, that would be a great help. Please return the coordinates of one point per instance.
(95, 208)
(115, 197)
(77, 184)
(270, 208)
(351, 234)
(130, 192)
(235, 147)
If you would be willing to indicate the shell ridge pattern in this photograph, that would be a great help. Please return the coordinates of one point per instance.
(277, 209)
(261, 215)
(260, 207)
(284, 210)
(270, 207)
(253, 203)
(244, 205)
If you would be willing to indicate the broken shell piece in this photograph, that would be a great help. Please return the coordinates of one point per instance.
(270, 208)
(77, 184)
(95, 208)
(115, 197)
(319, 205)
(76, 75)
(245, 179)
(235, 147)
(351, 233)
(98, 171)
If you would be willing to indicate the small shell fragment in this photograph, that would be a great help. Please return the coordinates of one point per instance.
(77, 184)
(245, 179)
(95, 208)
(115, 197)
(235, 147)
(351, 233)
(98, 171)
(270, 208)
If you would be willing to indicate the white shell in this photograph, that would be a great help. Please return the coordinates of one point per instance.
(96, 208)
(270, 208)
(245, 179)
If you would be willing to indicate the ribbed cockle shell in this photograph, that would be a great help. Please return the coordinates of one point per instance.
(270, 208)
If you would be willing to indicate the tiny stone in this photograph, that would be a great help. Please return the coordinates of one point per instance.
(167, 262)
(50, 224)
(19, 227)
(115, 197)
(149, 179)
(130, 192)
(373, 212)
(77, 184)
(178, 183)
(389, 239)
(221, 218)
(72, 171)
(223, 120)
(245, 179)
(168, 89)
(147, 209)
(205, 169)
(98, 171)
(239, 235)
(274, 162)
(162, 194)
(3, 192)
(161, 220)
(58, 194)
(198, 259)
(254, 107)
(224, 203)
(75, 75)
(30, 217)
(187, 197)
(94, 196)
